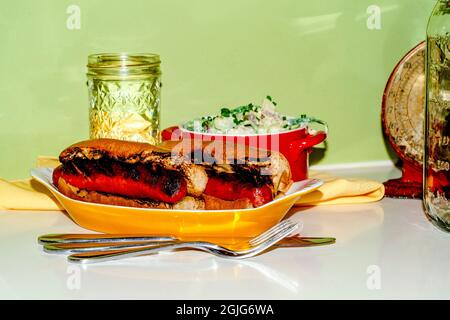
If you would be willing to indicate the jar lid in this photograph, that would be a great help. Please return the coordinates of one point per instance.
(123, 64)
(114, 60)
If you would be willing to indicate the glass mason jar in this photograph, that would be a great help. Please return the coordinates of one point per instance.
(437, 118)
(124, 96)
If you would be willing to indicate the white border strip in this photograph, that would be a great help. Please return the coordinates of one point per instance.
(355, 165)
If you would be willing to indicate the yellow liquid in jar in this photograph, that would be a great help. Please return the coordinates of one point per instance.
(125, 109)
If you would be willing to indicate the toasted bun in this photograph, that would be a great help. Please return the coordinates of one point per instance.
(187, 155)
(127, 151)
(188, 203)
(213, 203)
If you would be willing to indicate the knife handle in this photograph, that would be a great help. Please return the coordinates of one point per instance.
(99, 238)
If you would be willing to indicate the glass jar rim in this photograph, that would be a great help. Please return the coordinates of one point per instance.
(123, 60)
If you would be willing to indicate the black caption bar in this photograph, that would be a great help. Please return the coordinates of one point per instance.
(227, 309)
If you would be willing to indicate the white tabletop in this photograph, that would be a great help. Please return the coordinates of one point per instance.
(384, 250)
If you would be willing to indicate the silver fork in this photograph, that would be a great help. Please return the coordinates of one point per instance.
(253, 247)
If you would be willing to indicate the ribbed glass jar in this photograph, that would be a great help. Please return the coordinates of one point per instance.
(124, 96)
(437, 118)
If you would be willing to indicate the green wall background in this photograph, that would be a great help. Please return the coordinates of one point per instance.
(316, 57)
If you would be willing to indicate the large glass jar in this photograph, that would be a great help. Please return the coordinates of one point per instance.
(124, 96)
(437, 118)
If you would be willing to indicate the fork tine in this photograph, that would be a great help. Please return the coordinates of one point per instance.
(269, 231)
(275, 229)
(262, 240)
(269, 235)
(263, 237)
(265, 245)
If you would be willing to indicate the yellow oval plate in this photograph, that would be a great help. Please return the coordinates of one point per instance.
(177, 223)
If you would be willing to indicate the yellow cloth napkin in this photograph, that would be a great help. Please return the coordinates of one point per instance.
(337, 190)
(31, 195)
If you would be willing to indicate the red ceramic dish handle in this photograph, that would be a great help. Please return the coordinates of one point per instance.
(308, 142)
(171, 133)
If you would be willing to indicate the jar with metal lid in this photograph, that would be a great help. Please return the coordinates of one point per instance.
(437, 118)
(124, 96)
